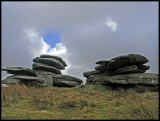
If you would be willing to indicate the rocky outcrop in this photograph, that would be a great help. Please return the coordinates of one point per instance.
(65, 80)
(46, 73)
(55, 57)
(50, 62)
(40, 66)
(19, 70)
(10, 80)
(126, 71)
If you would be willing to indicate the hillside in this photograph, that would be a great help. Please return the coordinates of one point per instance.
(81, 102)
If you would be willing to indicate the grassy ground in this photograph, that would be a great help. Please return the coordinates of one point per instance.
(82, 102)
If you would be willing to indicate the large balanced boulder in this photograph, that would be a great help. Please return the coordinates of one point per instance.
(19, 70)
(131, 59)
(44, 67)
(49, 61)
(55, 57)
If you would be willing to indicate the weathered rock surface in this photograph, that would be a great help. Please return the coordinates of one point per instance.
(132, 78)
(128, 69)
(89, 73)
(41, 72)
(125, 71)
(101, 68)
(46, 73)
(131, 59)
(55, 57)
(102, 62)
(19, 70)
(29, 78)
(10, 80)
(44, 67)
(68, 78)
(49, 61)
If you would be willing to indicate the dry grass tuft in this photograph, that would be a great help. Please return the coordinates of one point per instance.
(82, 102)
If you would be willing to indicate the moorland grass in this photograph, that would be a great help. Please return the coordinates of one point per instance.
(81, 102)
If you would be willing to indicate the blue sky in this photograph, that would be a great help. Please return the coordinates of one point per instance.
(52, 38)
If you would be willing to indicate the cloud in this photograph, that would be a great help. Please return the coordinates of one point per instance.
(110, 23)
(58, 50)
(86, 35)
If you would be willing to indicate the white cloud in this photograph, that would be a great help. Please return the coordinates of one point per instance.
(38, 45)
(58, 50)
(112, 24)
(87, 35)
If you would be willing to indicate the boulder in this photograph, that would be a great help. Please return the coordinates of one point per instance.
(44, 67)
(126, 60)
(19, 70)
(89, 73)
(128, 69)
(143, 67)
(101, 68)
(40, 72)
(35, 83)
(139, 82)
(10, 80)
(47, 77)
(49, 61)
(28, 78)
(132, 78)
(103, 62)
(55, 57)
(68, 78)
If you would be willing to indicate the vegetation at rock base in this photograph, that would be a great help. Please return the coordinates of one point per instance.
(81, 102)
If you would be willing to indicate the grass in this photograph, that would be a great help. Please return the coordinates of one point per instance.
(81, 102)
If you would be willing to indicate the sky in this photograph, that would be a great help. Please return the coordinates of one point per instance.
(82, 33)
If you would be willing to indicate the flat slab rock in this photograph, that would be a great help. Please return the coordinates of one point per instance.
(126, 60)
(103, 62)
(10, 80)
(19, 70)
(49, 61)
(42, 72)
(55, 57)
(44, 67)
(68, 78)
(89, 73)
(28, 78)
(131, 69)
(124, 79)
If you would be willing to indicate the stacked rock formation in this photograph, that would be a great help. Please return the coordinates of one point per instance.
(126, 71)
(46, 72)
